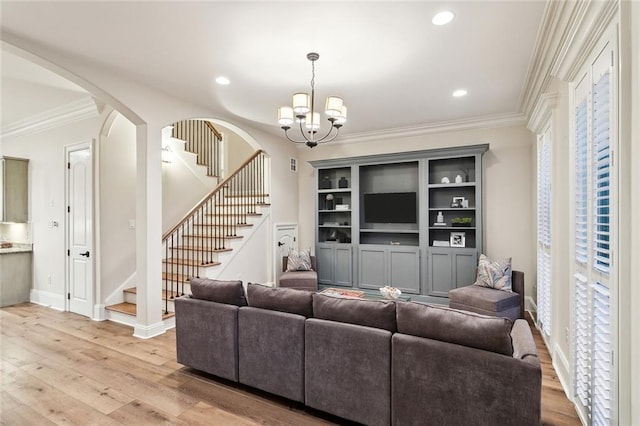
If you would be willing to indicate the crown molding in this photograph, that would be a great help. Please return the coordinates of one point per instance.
(500, 120)
(71, 112)
(567, 34)
(542, 112)
(584, 32)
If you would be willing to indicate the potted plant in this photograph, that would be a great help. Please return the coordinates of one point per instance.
(461, 221)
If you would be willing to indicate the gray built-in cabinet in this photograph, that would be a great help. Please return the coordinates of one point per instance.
(425, 257)
(14, 190)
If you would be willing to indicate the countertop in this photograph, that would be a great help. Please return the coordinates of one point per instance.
(17, 248)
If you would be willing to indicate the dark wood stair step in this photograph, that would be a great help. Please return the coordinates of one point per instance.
(188, 262)
(130, 309)
(246, 195)
(228, 237)
(252, 214)
(176, 278)
(166, 294)
(204, 249)
(218, 225)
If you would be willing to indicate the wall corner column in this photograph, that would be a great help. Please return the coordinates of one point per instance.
(148, 232)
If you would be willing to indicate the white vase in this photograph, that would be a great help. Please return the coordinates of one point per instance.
(440, 217)
(458, 179)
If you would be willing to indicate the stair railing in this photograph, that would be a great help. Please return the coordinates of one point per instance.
(202, 139)
(211, 223)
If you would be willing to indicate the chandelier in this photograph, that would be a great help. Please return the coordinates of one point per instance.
(303, 111)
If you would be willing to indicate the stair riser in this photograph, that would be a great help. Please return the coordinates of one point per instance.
(198, 242)
(132, 297)
(193, 255)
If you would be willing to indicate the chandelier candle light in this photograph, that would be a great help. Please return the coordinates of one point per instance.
(303, 110)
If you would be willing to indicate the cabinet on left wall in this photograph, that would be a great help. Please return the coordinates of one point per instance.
(14, 200)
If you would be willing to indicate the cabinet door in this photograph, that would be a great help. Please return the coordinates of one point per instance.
(15, 196)
(464, 268)
(372, 266)
(343, 272)
(440, 273)
(404, 269)
(325, 255)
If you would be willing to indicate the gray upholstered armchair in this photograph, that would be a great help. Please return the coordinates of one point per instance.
(301, 280)
(489, 301)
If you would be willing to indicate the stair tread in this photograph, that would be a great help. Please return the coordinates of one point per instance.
(130, 309)
(238, 225)
(194, 248)
(166, 294)
(179, 278)
(245, 195)
(227, 237)
(232, 214)
(189, 262)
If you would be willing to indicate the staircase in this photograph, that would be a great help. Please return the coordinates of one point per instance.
(206, 237)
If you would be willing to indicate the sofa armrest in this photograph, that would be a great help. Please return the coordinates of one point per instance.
(522, 340)
(207, 336)
(431, 380)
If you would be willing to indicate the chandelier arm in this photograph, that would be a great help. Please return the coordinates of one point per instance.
(331, 138)
(322, 139)
(293, 140)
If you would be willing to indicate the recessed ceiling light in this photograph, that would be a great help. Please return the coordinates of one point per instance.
(223, 81)
(443, 18)
(459, 93)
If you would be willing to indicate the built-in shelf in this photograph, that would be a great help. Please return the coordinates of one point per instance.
(334, 226)
(452, 185)
(391, 231)
(452, 208)
(334, 211)
(462, 228)
(325, 191)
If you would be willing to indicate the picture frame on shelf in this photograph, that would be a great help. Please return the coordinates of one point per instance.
(457, 239)
(459, 202)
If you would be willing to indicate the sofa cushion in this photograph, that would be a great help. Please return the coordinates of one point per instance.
(229, 292)
(485, 298)
(280, 299)
(299, 260)
(370, 313)
(494, 274)
(449, 325)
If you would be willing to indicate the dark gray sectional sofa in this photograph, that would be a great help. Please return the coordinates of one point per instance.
(372, 362)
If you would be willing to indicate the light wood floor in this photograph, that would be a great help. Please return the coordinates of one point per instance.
(63, 368)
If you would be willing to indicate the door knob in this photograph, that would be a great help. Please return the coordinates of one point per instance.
(85, 254)
(280, 243)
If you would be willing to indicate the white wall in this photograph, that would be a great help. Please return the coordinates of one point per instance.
(47, 168)
(507, 186)
(117, 205)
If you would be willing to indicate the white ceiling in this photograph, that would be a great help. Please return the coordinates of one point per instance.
(392, 66)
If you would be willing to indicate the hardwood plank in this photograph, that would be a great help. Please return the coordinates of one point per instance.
(203, 413)
(13, 412)
(82, 388)
(51, 403)
(54, 367)
(139, 413)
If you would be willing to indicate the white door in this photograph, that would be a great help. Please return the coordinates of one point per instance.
(286, 239)
(79, 229)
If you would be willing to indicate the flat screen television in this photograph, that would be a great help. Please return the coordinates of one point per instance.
(390, 207)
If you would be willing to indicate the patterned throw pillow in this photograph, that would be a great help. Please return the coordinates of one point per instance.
(494, 274)
(299, 260)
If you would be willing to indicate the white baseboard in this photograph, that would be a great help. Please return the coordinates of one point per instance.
(563, 370)
(99, 313)
(148, 331)
(530, 305)
(47, 298)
